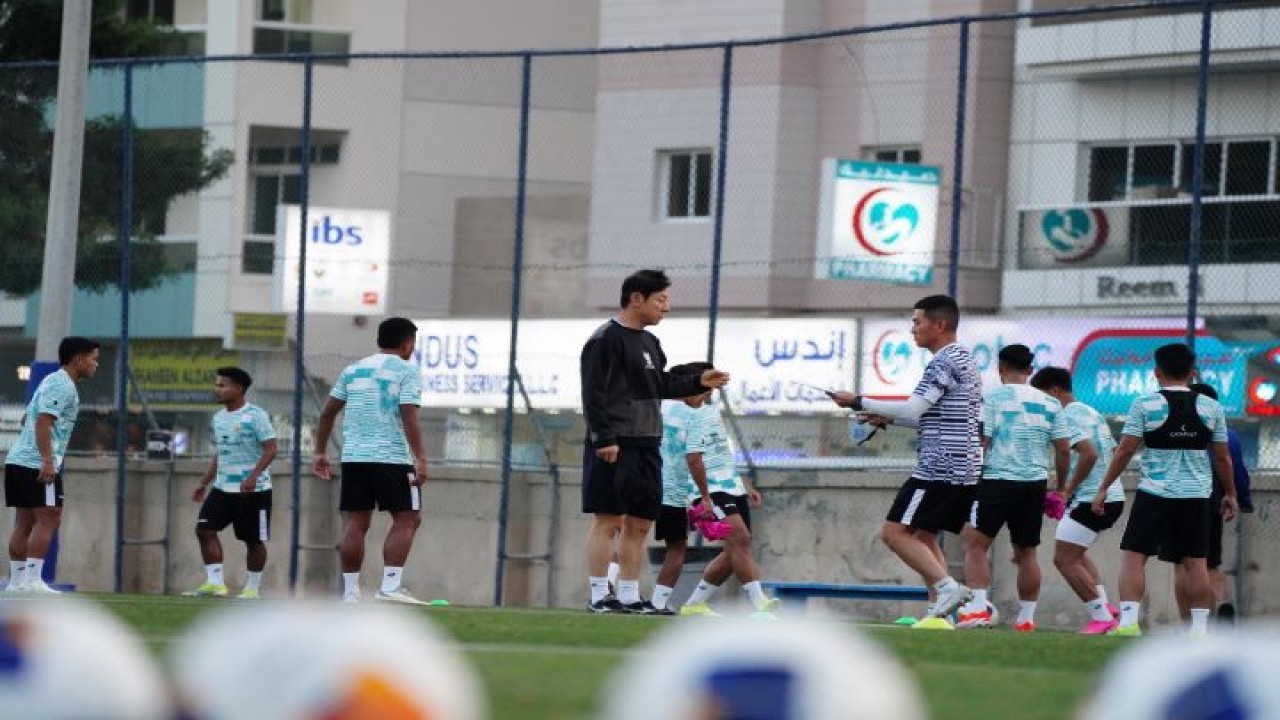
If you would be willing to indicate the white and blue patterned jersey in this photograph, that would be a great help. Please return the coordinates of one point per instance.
(950, 450)
(1085, 423)
(1175, 473)
(687, 430)
(239, 435)
(57, 396)
(374, 389)
(1021, 424)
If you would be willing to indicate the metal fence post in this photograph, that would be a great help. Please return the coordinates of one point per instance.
(299, 364)
(126, 282)
(717, 233)
(517, 271)
(957, 169)
(1194, 242)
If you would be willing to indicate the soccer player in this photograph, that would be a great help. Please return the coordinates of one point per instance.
(241, 478)
(698, 458)
(1019, 426)
(946, 406)
(33, 468)
(1170, 515)
(383, 462)
(1093, 446)
(623, 383)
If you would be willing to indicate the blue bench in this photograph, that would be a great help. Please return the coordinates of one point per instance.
(805, 590)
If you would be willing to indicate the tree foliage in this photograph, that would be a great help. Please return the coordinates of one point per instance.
(167, 163)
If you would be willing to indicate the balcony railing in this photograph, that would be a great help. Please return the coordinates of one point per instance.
(1236, 230)
(276, 37)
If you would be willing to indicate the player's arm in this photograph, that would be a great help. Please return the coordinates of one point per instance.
(1125, 451)
(1061, 463)
(698, 470)
(1086, 458)
(901, 412)
(596, 367)
(413, 434)
(324, 429)
(269, 449)
(210, 473)
(44, 444)
(1222, 472)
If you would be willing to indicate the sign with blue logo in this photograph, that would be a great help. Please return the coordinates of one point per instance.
(877, 221)
(347, 255)
(1074, 237)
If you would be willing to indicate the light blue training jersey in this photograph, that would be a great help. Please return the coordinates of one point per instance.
(1021, 423)
(374, 389)
(1175, 473)
(239, 435)
(1085, 423)
(57, 396)
(687, 430)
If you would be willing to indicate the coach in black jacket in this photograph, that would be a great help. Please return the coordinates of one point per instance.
(624, 380)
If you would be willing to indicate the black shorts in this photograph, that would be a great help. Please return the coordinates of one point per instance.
(1214, 553)
(932, 506)
(1111, 512)
(382, 485)
(23, 489)
(1015, 503)
(249, 514)
(733, 505)
(672, 524)
(1171, 528)
(631, 486)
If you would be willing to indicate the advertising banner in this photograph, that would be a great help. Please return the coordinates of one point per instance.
(1074, 237)
(347, 254)
(877, 221)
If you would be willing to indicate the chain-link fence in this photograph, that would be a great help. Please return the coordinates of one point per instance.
(1091, 182)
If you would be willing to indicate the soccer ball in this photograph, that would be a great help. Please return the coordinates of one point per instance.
(1229, 675)
(301, 661)
(736, 666)
(64, 658)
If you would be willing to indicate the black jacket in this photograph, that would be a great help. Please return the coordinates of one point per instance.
(624, 380)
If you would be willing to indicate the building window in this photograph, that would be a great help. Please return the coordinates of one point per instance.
(270, 190)
(1233, 167)
(686, 183)
(909, 155)
(297, 12)
(292, 155)
(159, 12)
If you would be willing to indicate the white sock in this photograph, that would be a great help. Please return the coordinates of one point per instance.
(35, 569)
(15, 570)
(1200, 619)
(1129, 612)
(1097, 610)
(1026, 611)
(612, 573)
(628, 591)
(391, 577)
(946, 584)
(755, 593)
(252, 580)
(702, 593)
(979, 601)
(660, 595)
(1102, 594)
(213, 574)
(599, 588)
(351, 583)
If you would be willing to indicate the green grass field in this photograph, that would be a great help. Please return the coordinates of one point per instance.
(551, 664)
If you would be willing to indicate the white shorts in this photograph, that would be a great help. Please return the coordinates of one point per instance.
(1073, 532)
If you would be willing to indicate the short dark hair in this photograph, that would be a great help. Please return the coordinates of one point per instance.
(692, 368)
(74, 345)
(645, 282)
(1204, 389)
(1052, 378)
(940, 307)
(394, 331)
(1016, 356)
(235, 375)
(1175, 361)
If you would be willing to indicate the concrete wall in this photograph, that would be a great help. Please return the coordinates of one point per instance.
(820, 526)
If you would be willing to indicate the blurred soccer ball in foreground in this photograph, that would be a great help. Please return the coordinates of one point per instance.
(740, 668)
(61, 659)
(1175, 677)
(308, 661)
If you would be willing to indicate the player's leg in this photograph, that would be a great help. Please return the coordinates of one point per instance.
(1199, 594)
(1143, 536)
(1189, 535)
(23, 523)
(932, 508)
(253, 528)
(356, 502)
(738, 513)
(987, 516)
(1026, 520)
(600, 500)
(48, 520)
(216, 512)
(639, 481)
(671, 529)
(395, 494)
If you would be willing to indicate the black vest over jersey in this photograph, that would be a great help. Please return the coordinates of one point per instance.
(1183, 430)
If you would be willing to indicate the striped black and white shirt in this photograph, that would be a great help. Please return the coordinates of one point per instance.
(950, 447)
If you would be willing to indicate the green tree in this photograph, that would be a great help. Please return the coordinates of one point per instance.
(167, 163)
